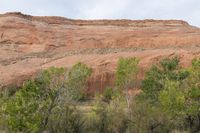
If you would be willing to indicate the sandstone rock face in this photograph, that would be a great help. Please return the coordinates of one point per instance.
(29, 44)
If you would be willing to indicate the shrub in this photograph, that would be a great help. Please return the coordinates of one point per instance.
(65, 119)
(144, 118)
(108, 94)
(107, 118)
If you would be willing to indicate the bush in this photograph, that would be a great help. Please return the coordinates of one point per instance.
(145, 118)
(108, 94)
(65, 119)
(107, 118)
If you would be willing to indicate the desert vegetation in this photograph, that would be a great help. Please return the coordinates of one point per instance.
(56, 101)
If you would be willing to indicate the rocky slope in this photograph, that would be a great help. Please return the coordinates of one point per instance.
(29, 44)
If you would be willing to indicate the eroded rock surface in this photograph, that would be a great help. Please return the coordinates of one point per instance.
(29, 44)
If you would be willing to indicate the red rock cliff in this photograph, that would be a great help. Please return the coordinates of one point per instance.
(30, 43)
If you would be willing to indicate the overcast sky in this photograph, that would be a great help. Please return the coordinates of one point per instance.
(188, 10)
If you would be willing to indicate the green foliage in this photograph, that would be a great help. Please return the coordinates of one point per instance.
(126, 75)
(26, 110)
(152, 84)
(61, 117)
(175, 92)
(51, 78)
(172, 99)
(170, 64)
(65, 119)
(145, 118)
(77, 78)
(40, 103)
(4, 97)
(155, 78)
(169, 101)
(126, 71)
(107, 118)
(108, 94)
(192, 93)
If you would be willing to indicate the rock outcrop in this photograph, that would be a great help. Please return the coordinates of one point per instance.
(31, 43)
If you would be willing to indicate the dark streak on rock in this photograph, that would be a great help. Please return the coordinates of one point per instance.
(2, 35)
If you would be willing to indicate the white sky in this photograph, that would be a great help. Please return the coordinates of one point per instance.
(188, 10)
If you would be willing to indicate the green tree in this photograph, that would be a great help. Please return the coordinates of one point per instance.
(172, 99)
(155, 78)
(188, 98)
(126, 74)
(76, 81)
(192, 92)
(39, 101)
(24, 109)
(27, 109)
(71, 89)
(175, 92)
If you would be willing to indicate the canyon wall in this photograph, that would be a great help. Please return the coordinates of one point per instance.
(29, 44)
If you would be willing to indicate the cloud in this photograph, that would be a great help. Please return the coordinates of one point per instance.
(108, 9)
(103, 9)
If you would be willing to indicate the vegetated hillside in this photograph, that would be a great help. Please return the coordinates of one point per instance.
(29, 44)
